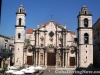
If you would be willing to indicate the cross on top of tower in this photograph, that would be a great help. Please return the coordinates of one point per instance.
(51, 18)
(84, 3)
(21, 5)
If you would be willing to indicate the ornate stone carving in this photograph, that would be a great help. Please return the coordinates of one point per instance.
(41, 37)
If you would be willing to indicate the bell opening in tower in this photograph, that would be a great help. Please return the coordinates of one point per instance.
(86, 22)
(20, 21)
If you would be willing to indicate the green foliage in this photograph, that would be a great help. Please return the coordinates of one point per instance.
(2, 71)
(5, 68)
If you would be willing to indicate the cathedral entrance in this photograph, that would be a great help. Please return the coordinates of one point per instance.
(51, 59)
(72, 61)
(29, 60)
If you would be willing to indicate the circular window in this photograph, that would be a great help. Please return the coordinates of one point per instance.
(29, 50)
(72, 51)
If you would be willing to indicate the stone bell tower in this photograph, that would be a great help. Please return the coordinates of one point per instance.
(19, 36)
(85, 37)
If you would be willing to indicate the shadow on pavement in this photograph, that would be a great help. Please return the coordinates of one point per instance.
(90, 70)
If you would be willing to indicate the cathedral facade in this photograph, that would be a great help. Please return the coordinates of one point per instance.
(52, 44)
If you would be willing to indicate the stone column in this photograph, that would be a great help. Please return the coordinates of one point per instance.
(36, 58)
(23, 57)
(39, 58)
(67, 59)
(45, 58)
(57, 40)
(44, 38)
(64, 39)
(77, 59)
(33, 58)
(36, 38)
(63, 59)
(56, 58)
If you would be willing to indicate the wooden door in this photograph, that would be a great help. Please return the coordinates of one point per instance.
(29, 60)
(51, 59)
(72, 61)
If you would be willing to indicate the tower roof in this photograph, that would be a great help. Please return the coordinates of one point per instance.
(84, 11)
(21, 10)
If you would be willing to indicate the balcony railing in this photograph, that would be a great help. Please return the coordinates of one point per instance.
(5, 52)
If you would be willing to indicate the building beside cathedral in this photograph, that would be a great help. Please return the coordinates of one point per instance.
(52, 44)
(96, 43)
(6, 50)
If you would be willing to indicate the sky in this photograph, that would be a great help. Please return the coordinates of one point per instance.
(40, 11)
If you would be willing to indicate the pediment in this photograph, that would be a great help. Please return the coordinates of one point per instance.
(49, 23)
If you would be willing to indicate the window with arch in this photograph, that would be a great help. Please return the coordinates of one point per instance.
(19, 35)
(85, 22)
(20, 21)
(85, 12)
(20, 10)
(86, 38)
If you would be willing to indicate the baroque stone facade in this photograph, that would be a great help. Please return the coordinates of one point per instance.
(52, 44)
